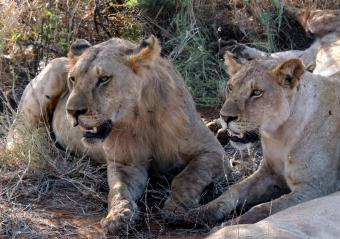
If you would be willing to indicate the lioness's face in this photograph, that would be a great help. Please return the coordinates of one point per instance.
(104, 89)
(258, 97)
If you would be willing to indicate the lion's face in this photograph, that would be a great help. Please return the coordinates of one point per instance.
(105, 84)
(258, 96)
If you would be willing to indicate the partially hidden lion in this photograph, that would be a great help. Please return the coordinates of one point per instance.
(322, 57)
(298, 115)
(125, 105)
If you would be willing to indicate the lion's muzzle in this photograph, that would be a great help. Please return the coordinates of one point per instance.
(75, 113)
(99, 130)
(237, 135)
(247, 137)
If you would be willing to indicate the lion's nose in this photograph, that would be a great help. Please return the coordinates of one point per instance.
(228, 119)
(76, 112)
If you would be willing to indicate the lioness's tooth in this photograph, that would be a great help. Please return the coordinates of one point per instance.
(94, 130)
(230, 132)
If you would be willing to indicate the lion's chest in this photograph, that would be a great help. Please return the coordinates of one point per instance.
(280, 159)
(125, 146)
(275, 154)
(69, 137)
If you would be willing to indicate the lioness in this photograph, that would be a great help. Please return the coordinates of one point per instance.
(322, 57)
(298, 114)
(125, 104)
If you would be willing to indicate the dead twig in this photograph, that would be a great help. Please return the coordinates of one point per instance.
(98, 13)
(39, 45)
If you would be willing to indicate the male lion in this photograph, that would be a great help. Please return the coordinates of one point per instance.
(125, 104)
(298, 114)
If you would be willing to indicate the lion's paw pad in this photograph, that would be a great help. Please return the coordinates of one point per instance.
(118, 219)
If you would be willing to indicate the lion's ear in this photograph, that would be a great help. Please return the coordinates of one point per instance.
(76, 49)
(145, 53)
(232, 62)
(289, 72)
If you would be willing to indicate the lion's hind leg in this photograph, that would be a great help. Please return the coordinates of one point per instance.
(41, 95)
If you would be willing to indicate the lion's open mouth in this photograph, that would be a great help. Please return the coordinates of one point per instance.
(244, 138)
(97, 132)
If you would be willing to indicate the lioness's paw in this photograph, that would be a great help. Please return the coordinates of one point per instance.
(204, 215)
(254, 215)
(120, 217)
(173, 211)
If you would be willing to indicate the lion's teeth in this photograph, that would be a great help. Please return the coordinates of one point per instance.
(231, 132)
(88, 130)
(82, 128)
(92, 131)
(240, 135)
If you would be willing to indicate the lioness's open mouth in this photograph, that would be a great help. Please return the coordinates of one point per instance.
(244, 138)
(97, 132)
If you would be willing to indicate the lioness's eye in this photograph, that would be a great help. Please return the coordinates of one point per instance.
(256, 93)
(103, 80)
(229, 87)
(71, 79)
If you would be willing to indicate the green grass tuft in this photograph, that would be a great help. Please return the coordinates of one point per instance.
(202, 70)
(155, 4)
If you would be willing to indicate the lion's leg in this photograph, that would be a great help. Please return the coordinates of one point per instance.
(317, 179)
(39, 99)
(187, 186)
(259, 187)
(126, 183)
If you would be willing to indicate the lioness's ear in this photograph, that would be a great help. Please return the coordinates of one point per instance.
(76, 49)
(145, 53)
(289, 72)
(233, 64)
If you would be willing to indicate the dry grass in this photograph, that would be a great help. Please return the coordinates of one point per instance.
(45, 191)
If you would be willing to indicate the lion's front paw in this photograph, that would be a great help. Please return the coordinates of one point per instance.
(120, 217)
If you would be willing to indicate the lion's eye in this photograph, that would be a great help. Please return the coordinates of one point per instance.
(103, 80)
(256, 93)
(72, 79)
(229, 87)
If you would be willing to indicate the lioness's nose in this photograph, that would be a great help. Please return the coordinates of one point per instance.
(76, 112)
(228, 119)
